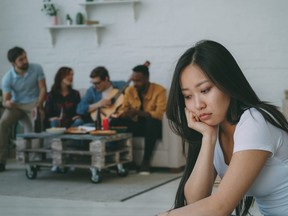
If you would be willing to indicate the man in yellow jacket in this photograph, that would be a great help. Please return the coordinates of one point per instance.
(142, 111)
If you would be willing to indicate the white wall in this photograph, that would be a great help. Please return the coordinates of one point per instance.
(254, 31)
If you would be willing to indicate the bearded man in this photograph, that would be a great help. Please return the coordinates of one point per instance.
(24, 90)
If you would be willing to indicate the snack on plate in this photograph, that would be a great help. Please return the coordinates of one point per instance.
(103, 132)
(76, 130)
(119, 129)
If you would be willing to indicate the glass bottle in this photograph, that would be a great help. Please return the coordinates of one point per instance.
(98, 121)
(37, 122)
(79, 19)
(68, 20)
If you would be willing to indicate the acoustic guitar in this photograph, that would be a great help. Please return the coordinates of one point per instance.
(116, 96)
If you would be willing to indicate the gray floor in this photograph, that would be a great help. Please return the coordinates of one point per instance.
(147, 204)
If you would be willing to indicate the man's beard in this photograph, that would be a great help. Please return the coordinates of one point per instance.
(24, 67)
(140, 89)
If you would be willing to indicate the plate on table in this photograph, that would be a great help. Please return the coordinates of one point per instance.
(119, 129)
(56, 130)
(76, 130)
(103, 132)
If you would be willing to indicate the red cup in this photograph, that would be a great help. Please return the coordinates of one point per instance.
(105, 124)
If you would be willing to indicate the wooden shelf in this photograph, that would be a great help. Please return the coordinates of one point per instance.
(105, 2)
(87, 4)
(95, 2)
(63, 27)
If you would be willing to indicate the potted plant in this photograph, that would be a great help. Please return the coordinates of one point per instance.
(50, 10)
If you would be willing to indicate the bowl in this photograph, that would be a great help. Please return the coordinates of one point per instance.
(56, 130)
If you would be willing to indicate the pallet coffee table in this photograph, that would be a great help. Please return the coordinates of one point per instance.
(104, 151)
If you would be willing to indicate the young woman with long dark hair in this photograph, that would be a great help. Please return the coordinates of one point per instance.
(62, 101)
(230, 132)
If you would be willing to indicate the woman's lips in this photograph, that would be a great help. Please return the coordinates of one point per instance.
(205, 116)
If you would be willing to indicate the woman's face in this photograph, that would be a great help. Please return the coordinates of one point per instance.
(202, 97)
(68, 79)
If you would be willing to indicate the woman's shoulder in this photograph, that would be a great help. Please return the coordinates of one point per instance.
(251, 114)
(252, 122)
(253, 131)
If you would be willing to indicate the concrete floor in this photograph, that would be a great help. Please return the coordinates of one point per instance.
(147, 204)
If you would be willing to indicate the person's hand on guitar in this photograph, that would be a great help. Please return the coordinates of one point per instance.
(105, 102)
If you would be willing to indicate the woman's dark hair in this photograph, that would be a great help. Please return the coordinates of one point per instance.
(100, 72)
(14, 53)
(222, 69)
(60, 75)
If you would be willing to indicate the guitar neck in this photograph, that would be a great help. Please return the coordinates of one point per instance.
(116, 96)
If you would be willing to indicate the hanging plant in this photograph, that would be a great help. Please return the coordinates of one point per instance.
(49, 8)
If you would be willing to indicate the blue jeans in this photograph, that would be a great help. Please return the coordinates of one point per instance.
(57, 123)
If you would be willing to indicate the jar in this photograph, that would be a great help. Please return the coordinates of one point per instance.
(79, 19)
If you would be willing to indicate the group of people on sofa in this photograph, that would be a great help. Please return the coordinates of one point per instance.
(140, 108)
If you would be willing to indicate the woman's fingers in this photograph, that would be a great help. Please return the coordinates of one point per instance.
(191, 116)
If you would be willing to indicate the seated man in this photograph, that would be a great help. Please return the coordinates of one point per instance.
(142, 112)
(24, 89)
(99, 95)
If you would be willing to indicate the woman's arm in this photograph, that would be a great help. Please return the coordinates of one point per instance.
(242, 172)
(200, 183)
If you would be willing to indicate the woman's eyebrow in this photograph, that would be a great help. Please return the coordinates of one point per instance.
(202, 82)
(197, 85)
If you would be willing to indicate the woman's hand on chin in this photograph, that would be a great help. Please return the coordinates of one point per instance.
(195, 124)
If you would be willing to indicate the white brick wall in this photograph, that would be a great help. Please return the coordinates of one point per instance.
(254, 31)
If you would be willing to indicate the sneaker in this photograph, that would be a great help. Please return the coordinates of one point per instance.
(54, 168)
(72, 169)
(144, 169)
(2, 167)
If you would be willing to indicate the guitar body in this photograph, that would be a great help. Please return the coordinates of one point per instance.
(106, 112)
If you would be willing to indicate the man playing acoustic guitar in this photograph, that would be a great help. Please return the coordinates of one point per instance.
(99, 95)
(142, 111)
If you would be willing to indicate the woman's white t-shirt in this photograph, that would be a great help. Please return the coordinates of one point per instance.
(270, 189)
